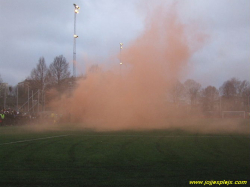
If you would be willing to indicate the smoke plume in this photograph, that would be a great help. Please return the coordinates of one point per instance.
(134, 94)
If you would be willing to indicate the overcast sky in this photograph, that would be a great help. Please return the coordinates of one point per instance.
(31, 29)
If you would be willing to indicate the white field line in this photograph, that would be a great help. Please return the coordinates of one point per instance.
(31, 140)
(178, 136)
(95, 135)
(172, 137)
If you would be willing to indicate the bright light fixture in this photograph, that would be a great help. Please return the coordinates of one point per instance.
(76, 8)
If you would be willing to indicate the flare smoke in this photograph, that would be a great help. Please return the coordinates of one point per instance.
(136, 97)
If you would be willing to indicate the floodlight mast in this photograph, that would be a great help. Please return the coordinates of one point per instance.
(76, 11)
(121, 44)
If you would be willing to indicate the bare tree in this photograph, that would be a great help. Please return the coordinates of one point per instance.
(59, 71)
(176, 92)
(209, 96)
(235, 94)
(245, 94)
(3, 88)
(231, 88)
(39, 75)
(228, 89)
(244, 89)
(3, 92)
(192, 89)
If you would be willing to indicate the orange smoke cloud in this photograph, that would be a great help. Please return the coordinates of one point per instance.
(134, 97)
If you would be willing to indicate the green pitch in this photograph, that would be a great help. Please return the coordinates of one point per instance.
(122, 158)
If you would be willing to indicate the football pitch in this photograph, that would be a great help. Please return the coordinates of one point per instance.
(160, 157)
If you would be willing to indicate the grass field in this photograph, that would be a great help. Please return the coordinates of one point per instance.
(121, 158)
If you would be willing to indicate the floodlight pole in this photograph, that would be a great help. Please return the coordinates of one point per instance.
(74, 48)
(38, 98)
(121, 44)
(44, 100)
(28, 98)
(4, 101)
(17, 98)
(32, 101)
(248, 102)
(76, 10)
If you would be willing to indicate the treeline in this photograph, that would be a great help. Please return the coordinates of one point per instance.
(232, 95)
(46, 82)
(56, 75)
(38, 84)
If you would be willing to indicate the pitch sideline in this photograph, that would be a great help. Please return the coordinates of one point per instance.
(178, 136)
(21, 141)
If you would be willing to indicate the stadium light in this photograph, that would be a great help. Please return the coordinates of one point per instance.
(76, 6)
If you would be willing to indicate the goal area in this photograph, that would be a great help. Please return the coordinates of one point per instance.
(233, 114)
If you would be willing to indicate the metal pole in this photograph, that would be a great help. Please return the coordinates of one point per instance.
(121, 44)
(74, 47)
(248, 101)
(120, 70)
(76, 10)
(38, 101)
(220, 108)
(32, 102)
(0, 95)
(220, 104)
(43, 100)
(120, 60)
(28, 98)
(248, 107)
(17, 98)
(4, 104)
